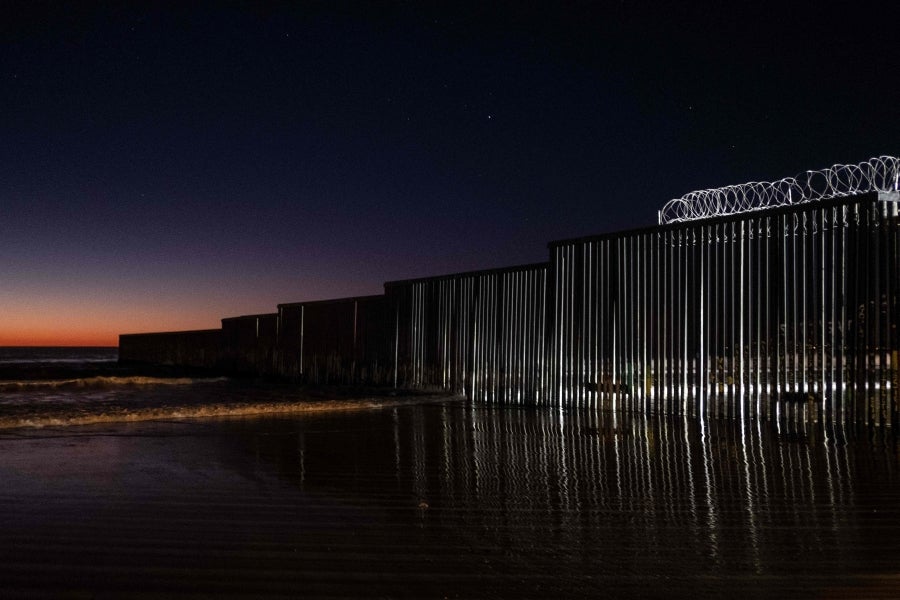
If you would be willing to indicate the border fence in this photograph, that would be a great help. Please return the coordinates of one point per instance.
(479, 333)
(791, 309)
(343, 341)
(788, 311)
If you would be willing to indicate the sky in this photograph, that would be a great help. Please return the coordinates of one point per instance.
(163, 166)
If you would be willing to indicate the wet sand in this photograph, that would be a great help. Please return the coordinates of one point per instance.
(444, 500)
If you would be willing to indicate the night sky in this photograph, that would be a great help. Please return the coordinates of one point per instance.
(162, 167)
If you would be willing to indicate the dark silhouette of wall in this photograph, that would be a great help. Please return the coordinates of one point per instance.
(341, 341)
(196, 349)
(248, 344)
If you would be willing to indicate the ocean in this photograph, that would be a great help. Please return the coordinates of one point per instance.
(49, 363)
(58, 355)
(63, 384)
(45, 387)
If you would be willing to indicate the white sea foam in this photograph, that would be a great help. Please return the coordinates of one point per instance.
(59, 415)
(100, 382)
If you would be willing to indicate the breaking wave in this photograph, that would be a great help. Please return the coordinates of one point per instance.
(100, 383)
(149, 409)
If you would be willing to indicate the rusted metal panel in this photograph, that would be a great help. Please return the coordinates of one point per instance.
(335, 341)
(248, 343)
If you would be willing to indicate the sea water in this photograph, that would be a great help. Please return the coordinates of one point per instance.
(34, 374)
(42, 387)
(59, 355)
(70, 382)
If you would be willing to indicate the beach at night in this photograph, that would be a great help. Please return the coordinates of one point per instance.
(445, 499)
(476, 300)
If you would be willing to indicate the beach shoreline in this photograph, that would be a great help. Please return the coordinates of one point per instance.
(436, 498)
(127, 397)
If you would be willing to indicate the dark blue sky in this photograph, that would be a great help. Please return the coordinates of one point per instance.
(164, 166)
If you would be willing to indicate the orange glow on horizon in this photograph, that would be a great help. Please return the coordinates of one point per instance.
(58, 339)
(90, 319)
(90, 330)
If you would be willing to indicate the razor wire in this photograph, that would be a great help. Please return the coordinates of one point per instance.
(881, 174)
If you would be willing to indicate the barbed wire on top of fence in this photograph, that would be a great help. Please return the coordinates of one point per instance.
(881, 174)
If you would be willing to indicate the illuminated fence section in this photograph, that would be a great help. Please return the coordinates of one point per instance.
(782, 311)
(479, 333)
(343, 341)
(785, 312)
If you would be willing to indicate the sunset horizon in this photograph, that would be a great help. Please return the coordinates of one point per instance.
(464, 300)
(163, 169)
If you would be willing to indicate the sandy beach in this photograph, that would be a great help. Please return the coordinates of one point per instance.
(437, 498)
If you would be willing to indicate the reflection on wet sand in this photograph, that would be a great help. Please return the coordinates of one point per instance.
(449, 500)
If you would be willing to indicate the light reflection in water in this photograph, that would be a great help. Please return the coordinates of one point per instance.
(463, 500)
(600, 496)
